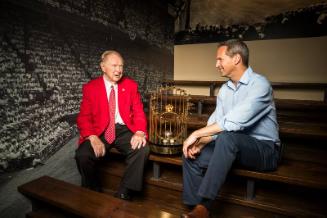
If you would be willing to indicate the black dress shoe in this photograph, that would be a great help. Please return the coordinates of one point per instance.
(124, 196)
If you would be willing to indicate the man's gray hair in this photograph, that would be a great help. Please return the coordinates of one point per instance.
(110, 52)
(236, 46)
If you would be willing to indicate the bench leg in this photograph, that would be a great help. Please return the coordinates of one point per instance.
(200, 108)
(37, 205)
(156, 170)
(250, 189)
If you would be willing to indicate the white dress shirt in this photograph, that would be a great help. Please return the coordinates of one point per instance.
(108, 85)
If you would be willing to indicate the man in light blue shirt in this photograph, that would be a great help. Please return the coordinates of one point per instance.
(242, 129)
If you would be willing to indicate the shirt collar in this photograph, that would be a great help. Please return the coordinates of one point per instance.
(246, 76)
(108, 83)
(244, 79)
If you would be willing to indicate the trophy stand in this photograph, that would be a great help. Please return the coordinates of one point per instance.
(168, 116)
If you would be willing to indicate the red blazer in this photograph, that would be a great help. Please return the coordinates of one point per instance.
(93, 117)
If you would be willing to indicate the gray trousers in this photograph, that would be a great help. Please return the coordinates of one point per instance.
(204, 176)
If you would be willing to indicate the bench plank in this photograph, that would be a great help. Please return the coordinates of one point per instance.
(270, 196)
(73, 199)
(212, 85)
(82, 202)
(289, 129)
(290, 171)
(290, 104)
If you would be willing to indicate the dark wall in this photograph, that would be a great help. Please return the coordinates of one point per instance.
(305, 22)
(49, 48)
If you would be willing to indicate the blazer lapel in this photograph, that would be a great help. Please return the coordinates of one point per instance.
(103, 98)
(121, 95)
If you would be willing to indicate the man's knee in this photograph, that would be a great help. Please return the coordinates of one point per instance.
(226, 135)
(83, 159)
(143, 152)
(226, 140)
(192, 166)
(84, 155)
(185, 161)
(146, 151)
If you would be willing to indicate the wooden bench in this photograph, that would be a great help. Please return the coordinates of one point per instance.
(301, 121)
(296, 110)
(291, 114)
(49, 194)
(212, 85)
(284, 192)
(292, 172)
(286, 128)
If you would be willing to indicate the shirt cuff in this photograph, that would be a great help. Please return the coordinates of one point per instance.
(228, 126)
(221, 125)
(139, 131)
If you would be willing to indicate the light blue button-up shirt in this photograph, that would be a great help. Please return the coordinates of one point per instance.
(248, 107)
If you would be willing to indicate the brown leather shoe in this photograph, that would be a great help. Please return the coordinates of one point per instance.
(199, 211)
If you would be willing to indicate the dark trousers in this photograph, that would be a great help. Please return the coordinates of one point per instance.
(87, 162)
(204, 176)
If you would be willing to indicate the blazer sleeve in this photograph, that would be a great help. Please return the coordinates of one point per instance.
(139, 118)
(84, 118)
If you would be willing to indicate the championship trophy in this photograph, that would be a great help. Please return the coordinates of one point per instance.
(168, 116)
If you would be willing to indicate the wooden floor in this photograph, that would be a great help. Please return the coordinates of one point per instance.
(173, 205)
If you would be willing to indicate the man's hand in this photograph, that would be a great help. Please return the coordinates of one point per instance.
(97, 145)
(197, 147)
(188, 143)
(194, 149)
(138, 140)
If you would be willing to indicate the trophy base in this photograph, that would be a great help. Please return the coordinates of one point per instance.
(166, 149)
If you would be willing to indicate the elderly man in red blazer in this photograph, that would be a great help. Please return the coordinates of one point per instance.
(111, 115)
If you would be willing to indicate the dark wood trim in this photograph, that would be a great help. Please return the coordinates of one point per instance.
(212, 85)
(280, 85)
(290, 172)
